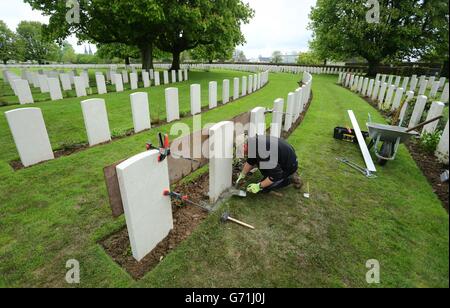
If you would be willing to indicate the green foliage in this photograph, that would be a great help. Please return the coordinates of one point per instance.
(117, 50)
(309, 58)
(67, 53)
(276, 57)
(7, 43)
(33, 45)
(407, 29)
(212, 53)
(430, 141)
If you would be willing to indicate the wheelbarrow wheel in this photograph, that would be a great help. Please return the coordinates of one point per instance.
(386, 151)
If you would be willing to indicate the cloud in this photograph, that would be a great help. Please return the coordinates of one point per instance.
(277, 25)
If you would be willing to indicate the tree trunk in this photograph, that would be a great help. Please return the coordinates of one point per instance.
(176, 61)
(127, 61)
(445, 68)
(373, 68)
(5, 62)
(147, 57)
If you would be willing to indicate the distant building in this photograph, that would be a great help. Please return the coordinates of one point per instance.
(289, 59)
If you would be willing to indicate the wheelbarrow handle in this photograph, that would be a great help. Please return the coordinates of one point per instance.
(423, 124)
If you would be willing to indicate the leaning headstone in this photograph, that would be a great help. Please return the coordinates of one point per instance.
(212, 94)
(390, 94)
(370, 88)
(289, 118)
(444, 97)
(431, 82)
(134, 81)
(148, 213)
(414, 82)
(418, 111)
(80, 88)
(397, 99)
(397, 81)
(442, 148)
(141, 112)
(365, 85)
(196, 100)
(96, 121)
(23, 91)
(221, 143)
(101, 84)
(277, 118)
(434, 89)
(172, 105)
(146, 79)
(65, 82)
(257, 122)
(30, 135)
(423, 86)
(244, 86)
(226, 91)
(118, 82)
(382, 94)
(405, 83)
(436, 110)
(43, 84)
(55, 89)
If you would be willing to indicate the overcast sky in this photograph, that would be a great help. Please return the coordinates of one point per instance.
(277, 25)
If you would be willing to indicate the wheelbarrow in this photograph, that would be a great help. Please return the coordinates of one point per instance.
(390, 138)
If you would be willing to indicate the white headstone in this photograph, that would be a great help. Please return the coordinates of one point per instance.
(30, 135)
(166, 77)
(157, 79)
(85, 76)
(146, 79)
(244, 86)
(398, 98)
(257, 122)
(101, 84)
(290, 110)
(431, 82)
(172, 105)
(370, 88)
(180, 76)
(436, 110)
(434, 89)
(212, 94)
(250, 84)
(174, 76)
(442, 81)
(390, 94)
(55, 89)
(423, 86)
(125, 78)
(397, 81)
(365, 85)
(418, 111)
(382, 94)
(300, 98)
(186, 75)
(118, 82)
(405, 83)
(23, 91)
(413, 85)
(226, 91)
(141, 112)
(442, 148)
(134, 81)
(444, 97)
(80, 88)
(96, 121)
(236, 89)
(65, 82)
(43, 84)
(148, 213)
(196, 100)
(277, 118)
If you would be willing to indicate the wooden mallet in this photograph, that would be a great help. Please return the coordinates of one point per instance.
(226, 217)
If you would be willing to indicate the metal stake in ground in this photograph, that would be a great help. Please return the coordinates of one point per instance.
(184, 199)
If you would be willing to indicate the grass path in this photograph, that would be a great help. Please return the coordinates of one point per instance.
(59, 210)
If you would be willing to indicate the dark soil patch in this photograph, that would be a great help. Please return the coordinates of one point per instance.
(186, 220)
(432, 169)
(426, 161)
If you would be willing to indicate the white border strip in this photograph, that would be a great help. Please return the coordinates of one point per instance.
(362, 143)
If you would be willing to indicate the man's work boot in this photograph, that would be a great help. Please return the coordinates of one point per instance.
(297, 181)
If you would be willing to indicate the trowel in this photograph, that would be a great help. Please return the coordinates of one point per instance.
(237, 192)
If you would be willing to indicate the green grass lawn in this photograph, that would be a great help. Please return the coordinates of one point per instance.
(59, 210)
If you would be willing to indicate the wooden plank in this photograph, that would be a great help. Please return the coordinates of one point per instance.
(362, 143)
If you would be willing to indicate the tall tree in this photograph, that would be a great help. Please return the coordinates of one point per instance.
(211, 53)
(277, 57)
(6, 43)
(67, 53)
(191, 23)
(344, 29)
(130, 22)
(34, 45)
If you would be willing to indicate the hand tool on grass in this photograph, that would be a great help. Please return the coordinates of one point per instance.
(358, 168)
(226, 217)
(307, 195)
(236, 191)
(184, 199)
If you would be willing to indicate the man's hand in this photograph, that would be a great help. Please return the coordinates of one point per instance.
(241, 177)
(254, 188)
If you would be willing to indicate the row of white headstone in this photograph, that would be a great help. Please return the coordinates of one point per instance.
(52, 85)
(148, 212)
(390, 97)
(31, 138)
